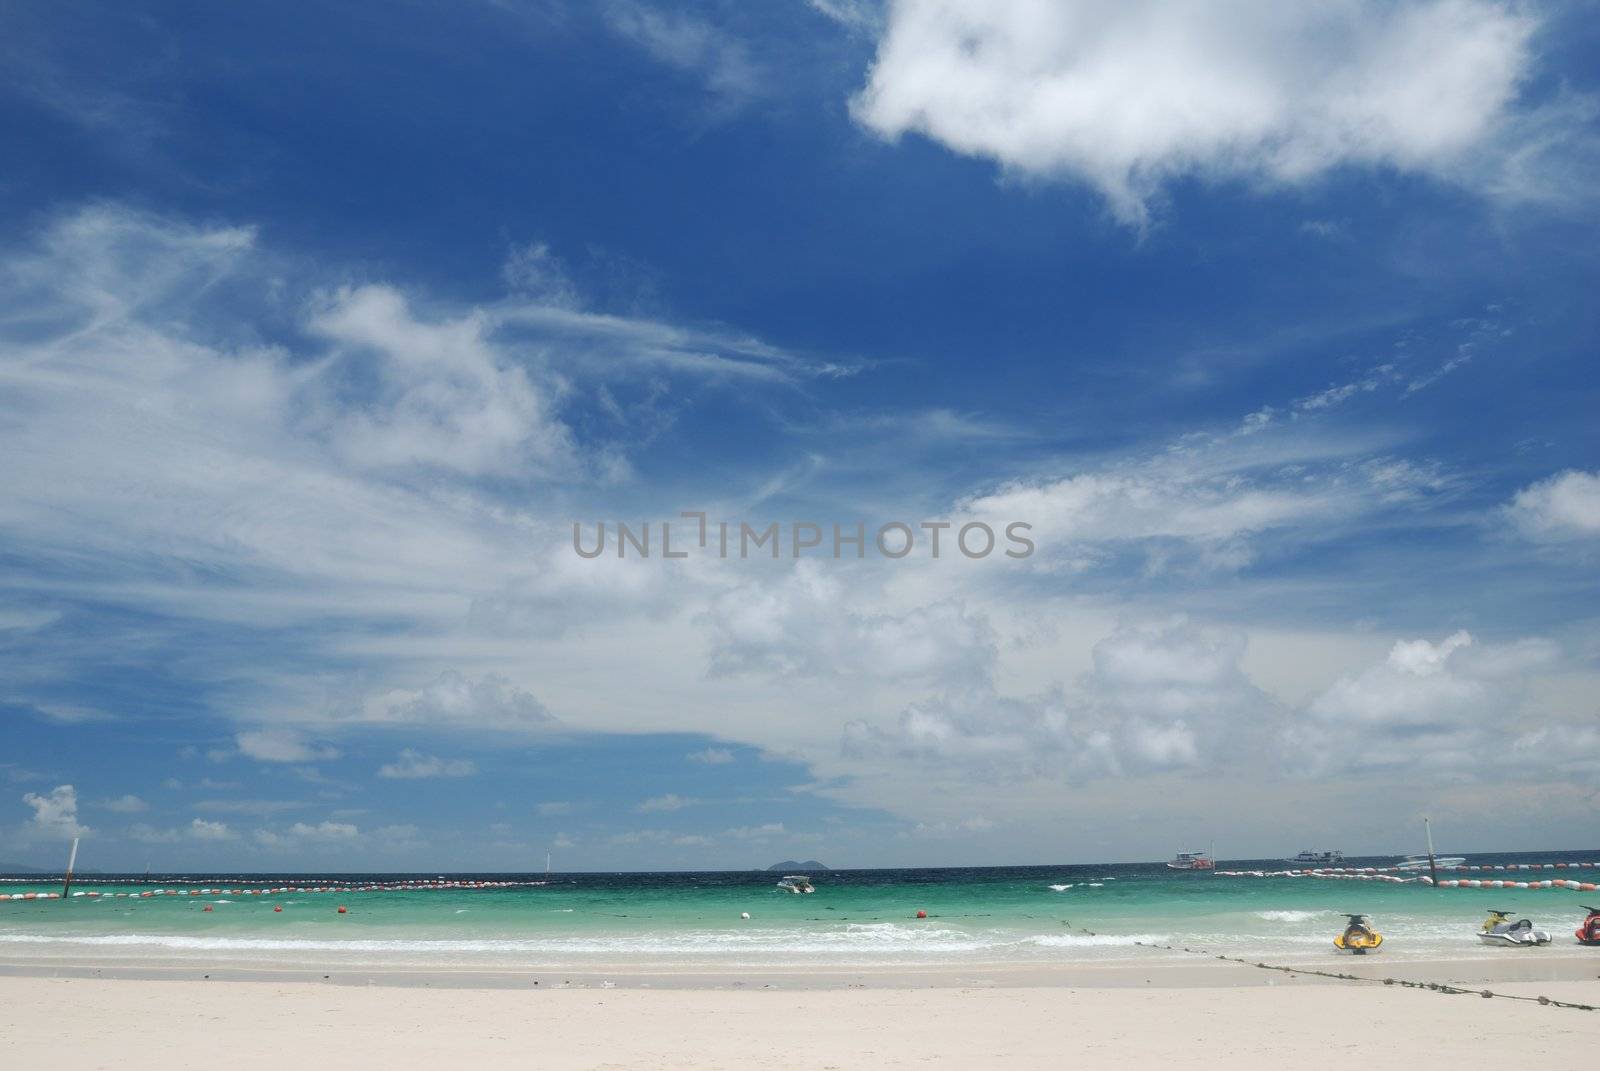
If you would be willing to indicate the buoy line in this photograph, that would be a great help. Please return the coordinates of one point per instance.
(1379, 874)
(1325, 875)
(271, 890)
(1434, 987)
(1388, 871)
(1477, 883)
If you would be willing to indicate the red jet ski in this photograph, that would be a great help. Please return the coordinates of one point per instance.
(1589, 932)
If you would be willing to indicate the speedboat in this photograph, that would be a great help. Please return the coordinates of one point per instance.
(1358, 937)
(1589, 932)
(1498, 929)
(1311, 858)
(1420, 862)
(1191, 861)
(796, 883)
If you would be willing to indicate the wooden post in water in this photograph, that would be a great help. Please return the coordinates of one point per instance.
(72, 861)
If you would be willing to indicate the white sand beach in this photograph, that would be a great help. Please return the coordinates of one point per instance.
(1218, 1013)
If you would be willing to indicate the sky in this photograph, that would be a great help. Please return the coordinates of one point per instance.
(322, 330)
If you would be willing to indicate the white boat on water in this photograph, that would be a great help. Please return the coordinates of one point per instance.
(1308, 857)
(796, 883)
(1425, 862)
(1420, 862)
(1191, 861)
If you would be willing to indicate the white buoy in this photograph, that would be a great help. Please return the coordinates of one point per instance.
(744, 914)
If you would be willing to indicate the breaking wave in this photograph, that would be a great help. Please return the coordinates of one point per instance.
(869, 942)
(1290, 916)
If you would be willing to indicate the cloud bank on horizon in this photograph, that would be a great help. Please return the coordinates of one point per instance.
(296, 431)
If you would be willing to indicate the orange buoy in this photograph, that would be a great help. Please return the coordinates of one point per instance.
(922, 914)
(206, 908)
(343, 909)
(278, 907)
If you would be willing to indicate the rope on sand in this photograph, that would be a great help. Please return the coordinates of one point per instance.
(1432, 987)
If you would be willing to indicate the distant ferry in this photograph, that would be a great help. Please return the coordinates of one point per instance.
(1420, 862)
(1311, 858)
(1191, 861)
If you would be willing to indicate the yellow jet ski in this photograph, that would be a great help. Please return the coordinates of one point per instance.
(1358, 937)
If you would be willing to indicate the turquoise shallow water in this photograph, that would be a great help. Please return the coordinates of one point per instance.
(1030, 915)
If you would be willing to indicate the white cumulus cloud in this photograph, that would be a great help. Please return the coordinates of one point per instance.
(55, 813)
(1163, 696)
(200, 829)
(1124, 95)
(1565, 506)
(282, 745)
(488, 702)
(436, 393)
(1450, 705)
(804, 624)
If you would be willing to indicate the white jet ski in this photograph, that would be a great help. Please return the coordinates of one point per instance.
(1498, 929)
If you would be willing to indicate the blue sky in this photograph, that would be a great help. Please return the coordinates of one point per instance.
(321, 328)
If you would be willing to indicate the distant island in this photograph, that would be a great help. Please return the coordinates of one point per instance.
(790, 864)
(18, 868)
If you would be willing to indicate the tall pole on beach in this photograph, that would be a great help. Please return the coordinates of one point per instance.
(1433, 866)
(72, 861)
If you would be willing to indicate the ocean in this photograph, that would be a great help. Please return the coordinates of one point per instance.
(1034, 915)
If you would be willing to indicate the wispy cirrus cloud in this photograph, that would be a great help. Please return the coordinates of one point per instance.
(686, 43)
(307, 835)
(857, 16)
(307, 488)
(413, 765)
(665, 804)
